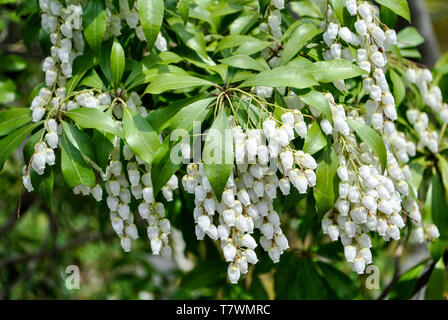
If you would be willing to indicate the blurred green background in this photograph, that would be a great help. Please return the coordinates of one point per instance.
(37, 246)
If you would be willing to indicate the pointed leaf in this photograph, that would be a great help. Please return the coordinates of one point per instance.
(324, 191)
(169, 81)
(218, 153)
(314, 139)
(139, 135)
(400, 7)
(43, 185)
(372, 138)
(11, 142)
(298, 39)
(12, 119)
(74, 168)
(117, 62)
(285, 76)
(94, 119)
(150, 13)
(94, 23)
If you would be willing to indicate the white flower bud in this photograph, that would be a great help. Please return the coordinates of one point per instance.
(126, 244)
(350, 253)
(234, 273)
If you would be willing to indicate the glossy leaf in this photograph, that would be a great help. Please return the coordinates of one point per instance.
(91, 118)
(183, 6)
(298, 39)
(139, 135)
(94, 23)
(117, 62)
(11, 142)
(399, 89)
(332, 70)
(372, 139)
(409, 37)
(218, 153)
(161, 118)
(284, 76)
(439, 207)
(79, 140)
(314, 139)
(103, 148)
(81, 65)
(325, 190)
(151, 16)
(244, 62)
(43, 185)
(74, 168)
(13, 118)
(169, 81)
(400, 7)
(163, 167)
(319, 101)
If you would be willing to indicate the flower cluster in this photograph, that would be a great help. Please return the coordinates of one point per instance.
(130, 17)
(64, 26)
(246, 202)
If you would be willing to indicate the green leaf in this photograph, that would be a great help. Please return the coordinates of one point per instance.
(8, 91)
(243, 23)
(324, 191)
(12, 63)
(139, 135)
(12, 119)
(117, 62)
(372, 138)
(183, 6)
(332, 70)
(244, 62)
(12, 141)
(187, 116)
(309, 279)
(438, 283)
(43, 185)
(338, 7)
(79, 140)
(339, 282)
(93, 80)
(81, 65)
(409, 37)
(91, 118)
(247, 45)
(442, 165)
(94, 23)
(398, 87)
(319, 101)
(218, 153)
(314, 139)
(169, 81)
(103, 148)
(161, 118)
(285, 76)
(404, 287)
(151, 16)
(163, 167)
(439, 207)
(74, 168)
(298, 39)
(400, 7)
(191, 37)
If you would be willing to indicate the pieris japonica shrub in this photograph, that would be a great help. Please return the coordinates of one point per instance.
(246, 108)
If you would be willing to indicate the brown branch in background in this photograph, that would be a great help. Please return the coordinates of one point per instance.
(393, 281)
(14, 215)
